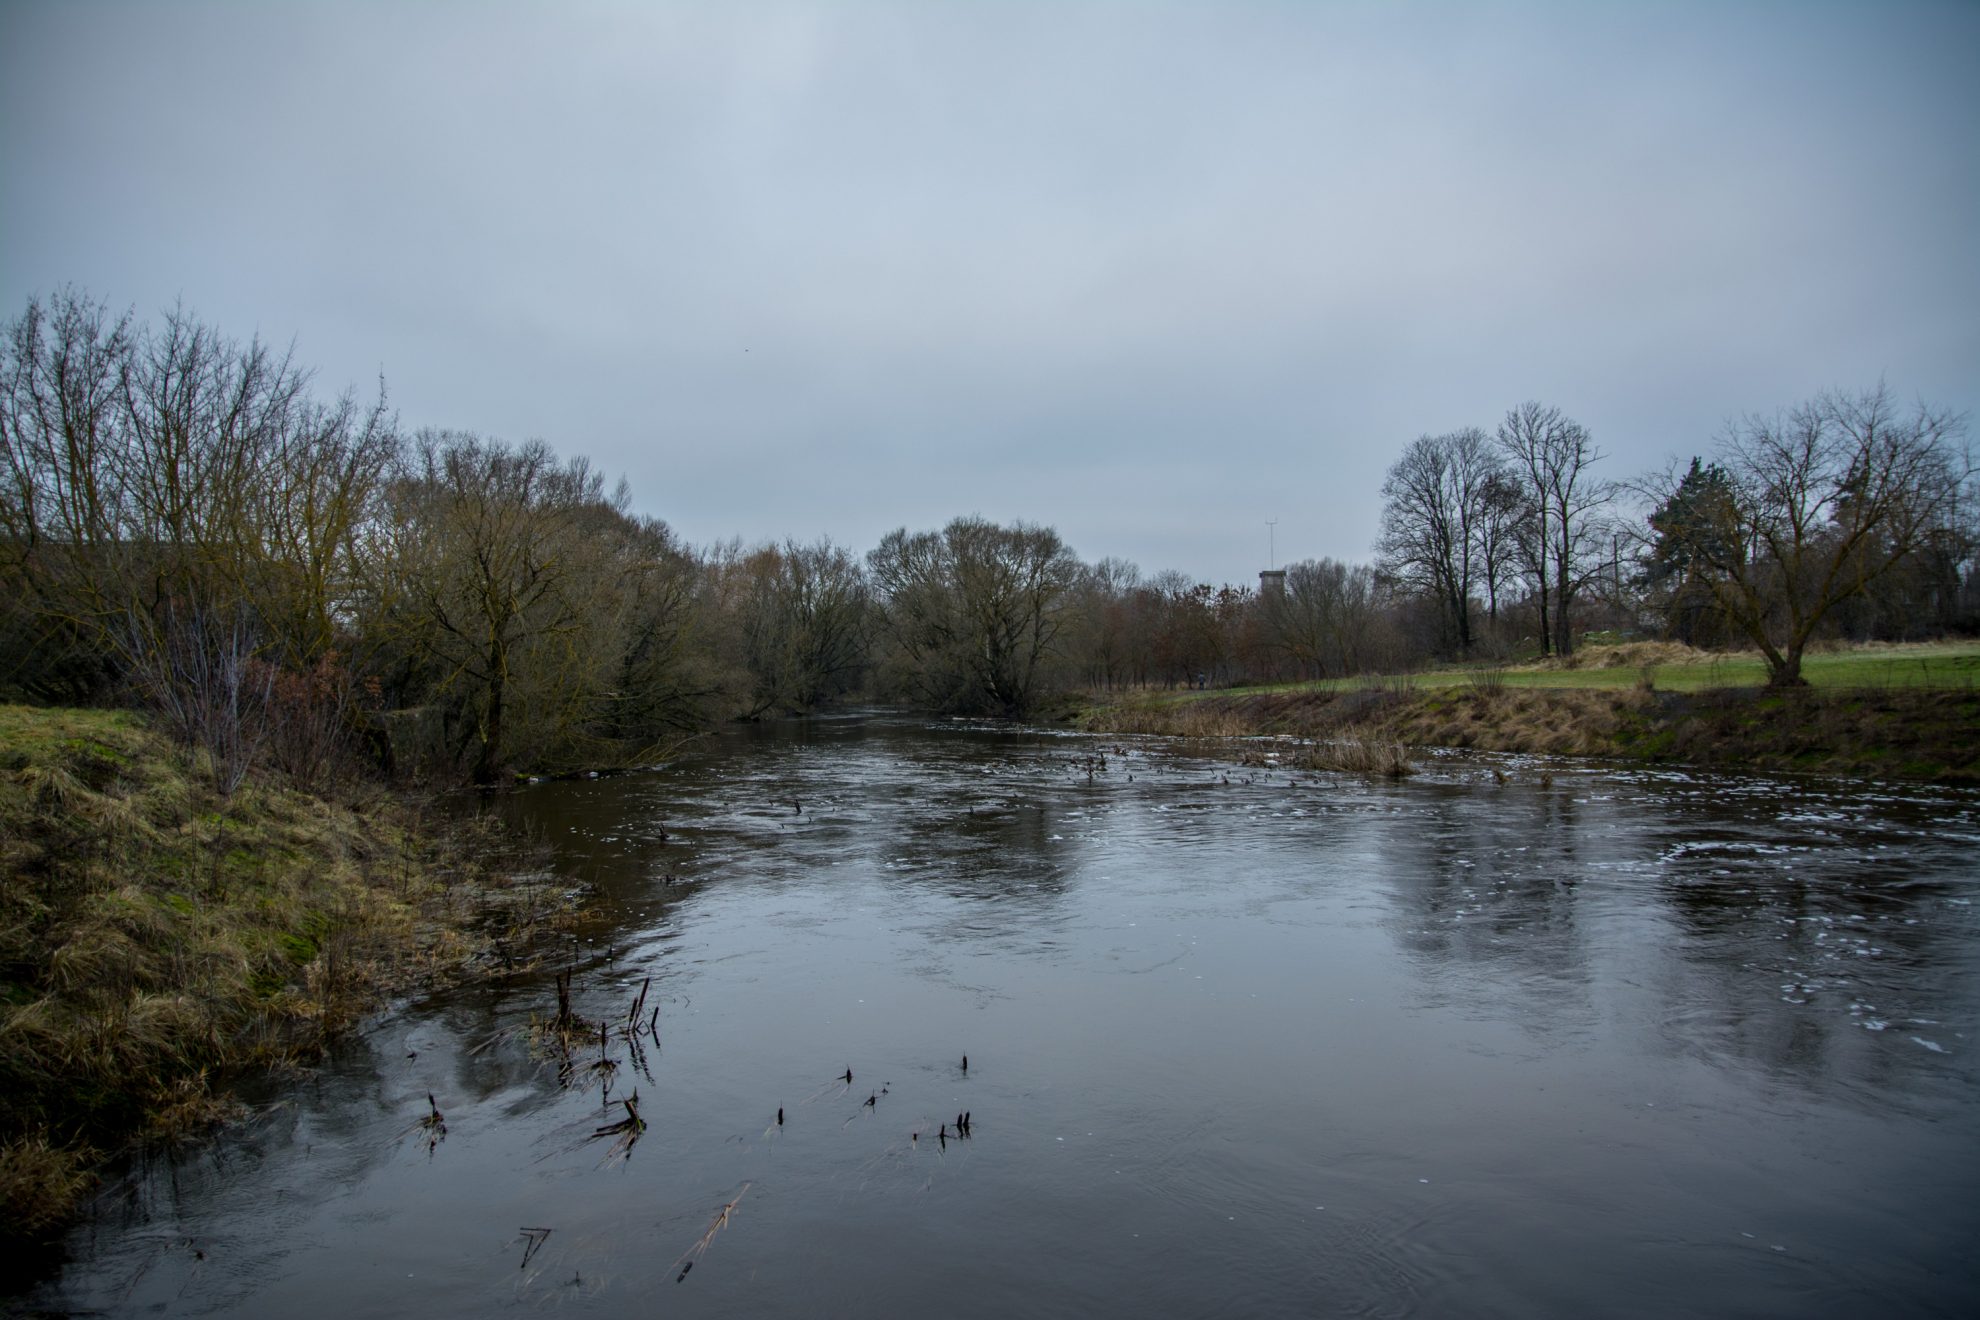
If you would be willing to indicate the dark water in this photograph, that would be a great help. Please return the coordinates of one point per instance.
(1620, 1044)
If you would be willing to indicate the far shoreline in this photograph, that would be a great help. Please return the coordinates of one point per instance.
(1904, 713)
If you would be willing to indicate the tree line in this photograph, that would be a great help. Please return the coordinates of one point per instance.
(1850, 515)
(186, 524)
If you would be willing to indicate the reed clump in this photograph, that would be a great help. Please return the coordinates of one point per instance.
(157, 938)
(1359, 751)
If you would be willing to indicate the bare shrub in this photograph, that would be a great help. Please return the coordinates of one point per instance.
(196, 667)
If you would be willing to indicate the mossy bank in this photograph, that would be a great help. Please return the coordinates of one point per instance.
(1889, 733)
(158, 938)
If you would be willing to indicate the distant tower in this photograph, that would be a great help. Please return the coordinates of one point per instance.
(1272, 582)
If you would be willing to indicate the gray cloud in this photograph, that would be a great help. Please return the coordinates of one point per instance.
(1151, 274)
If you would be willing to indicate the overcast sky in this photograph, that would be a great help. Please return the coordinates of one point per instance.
(1152, 274)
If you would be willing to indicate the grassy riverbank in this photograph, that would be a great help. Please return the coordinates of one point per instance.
(157, 938)
(1898, 712)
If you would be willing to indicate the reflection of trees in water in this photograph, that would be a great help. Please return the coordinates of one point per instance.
(1812, 960)
(1716, 928)
(1656, 914)
(1494, 884)
(980, 835)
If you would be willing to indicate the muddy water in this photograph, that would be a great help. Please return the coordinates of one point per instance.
(1620, 1043)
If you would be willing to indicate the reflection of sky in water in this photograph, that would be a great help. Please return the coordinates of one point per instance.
(1618, 1041)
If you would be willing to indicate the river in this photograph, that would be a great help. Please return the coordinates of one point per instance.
(1508, 1038)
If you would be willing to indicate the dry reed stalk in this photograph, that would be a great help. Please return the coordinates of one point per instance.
(699, 1249)
(639, 1006)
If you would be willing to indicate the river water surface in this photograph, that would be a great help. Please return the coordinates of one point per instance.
(1587, 1041)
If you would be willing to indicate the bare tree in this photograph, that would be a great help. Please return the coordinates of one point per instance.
(328, 470)
(1435, 506)
(61, 370)
(176, 505)
(1551, 455)
(1105, 641)
(1328, 621)
(1504, 526)
(806, 620)
(1813, 506)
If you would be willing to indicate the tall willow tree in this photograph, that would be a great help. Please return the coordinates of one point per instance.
(806, 617)
(549, 621)
(972, 613)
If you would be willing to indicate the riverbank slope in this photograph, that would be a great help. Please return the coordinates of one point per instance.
(1895, 732)
(157, 937)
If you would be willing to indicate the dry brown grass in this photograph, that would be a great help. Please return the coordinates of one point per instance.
(1627, 655)
(39, 1183)
(1359, 751)
(1204, 718)
(1561, 722)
